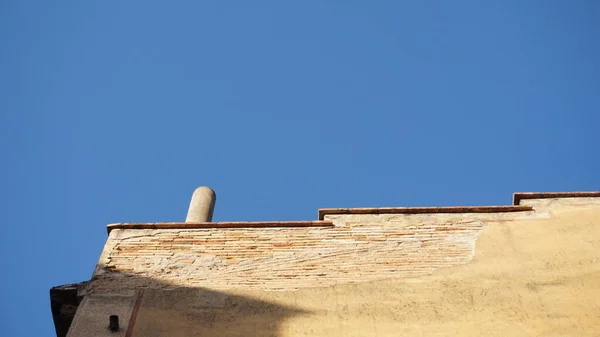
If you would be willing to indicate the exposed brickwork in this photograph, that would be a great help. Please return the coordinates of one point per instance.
(344, 248)
(288, 258)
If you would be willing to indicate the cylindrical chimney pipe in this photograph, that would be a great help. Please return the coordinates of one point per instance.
(202, 205)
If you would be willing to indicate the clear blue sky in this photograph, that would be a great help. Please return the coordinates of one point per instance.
(114, 111)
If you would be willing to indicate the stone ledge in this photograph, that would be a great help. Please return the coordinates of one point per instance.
(423, 210)
(518, 196)
(236, 224)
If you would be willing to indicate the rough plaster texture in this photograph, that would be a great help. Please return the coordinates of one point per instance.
(359, 248)
(93, 314)
(531, 273)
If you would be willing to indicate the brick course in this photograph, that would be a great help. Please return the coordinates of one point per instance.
(348, 247)
(289, 258)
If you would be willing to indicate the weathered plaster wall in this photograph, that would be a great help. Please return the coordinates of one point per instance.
(359, 248)
(531, 273)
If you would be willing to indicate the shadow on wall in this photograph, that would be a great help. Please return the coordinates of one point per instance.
(159, 309)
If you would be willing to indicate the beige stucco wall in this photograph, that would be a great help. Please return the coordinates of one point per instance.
(531, 273)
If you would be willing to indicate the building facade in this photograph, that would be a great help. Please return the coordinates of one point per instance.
(528, 269)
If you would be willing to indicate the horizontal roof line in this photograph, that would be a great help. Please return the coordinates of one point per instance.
(517, 197)
(516, 207)
(422, 210)
(231, 224)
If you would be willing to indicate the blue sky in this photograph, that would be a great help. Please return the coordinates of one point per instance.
(114, 111)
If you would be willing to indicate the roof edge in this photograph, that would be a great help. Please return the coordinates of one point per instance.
(423, 210)
(515, 207)
(230, 224)
(518, 196)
